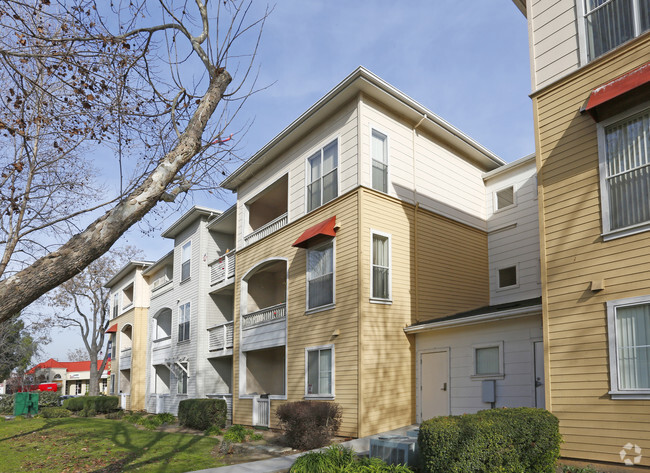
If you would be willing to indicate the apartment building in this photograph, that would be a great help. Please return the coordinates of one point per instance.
(367, 215)
(129, 305)
(190, 336)
(591, 97)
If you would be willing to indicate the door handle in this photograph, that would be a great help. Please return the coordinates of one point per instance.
(538, 382)
(444, 387)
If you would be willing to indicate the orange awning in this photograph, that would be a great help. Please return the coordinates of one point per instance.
(619, 86)
(325, 229)
(112, 329)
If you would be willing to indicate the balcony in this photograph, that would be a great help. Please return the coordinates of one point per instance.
(270, 314)
(125, 359)
(264, 328)
(223, 268)
(161, 351)
(267, 229)
(220, 337)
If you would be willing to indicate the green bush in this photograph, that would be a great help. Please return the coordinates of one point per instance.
(87, 412)
(309, 424)
(577, 469)
(55, 412)
(117, 415)
(213, 431)
(341, 459)
(166, 418)
(522, 440)
(48, 399)
(237, 434)
(74, 404)
(99, 404)
(7, 404)
(202, 414)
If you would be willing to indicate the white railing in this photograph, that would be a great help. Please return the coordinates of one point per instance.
(125, 359)
(125, 401)
(160, 282)
(267, 229)
(161, 349)
(222, 268)
(261, 412)
(225, 397)
(269, 314)
(220, 336)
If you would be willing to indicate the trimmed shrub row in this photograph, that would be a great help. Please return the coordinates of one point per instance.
(55, 412)
(522, 440)
(309, 424)
(45, 399)
(201, 414)
(91, 405)
(341, 459)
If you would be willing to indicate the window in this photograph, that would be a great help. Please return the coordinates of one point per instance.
(380, 278)
(505, 198)
(184, 322)
(183, 370)
(629, 346)
(116, 305)
(624, 151)
(319, 377)
(186, 258)
(507, 277)
(127, 296)
(320, 275)
(488, 360)
(322, 176)
(379, 152)
(609, 23)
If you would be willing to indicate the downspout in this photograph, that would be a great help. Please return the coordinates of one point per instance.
(415, 223)
(359, 270)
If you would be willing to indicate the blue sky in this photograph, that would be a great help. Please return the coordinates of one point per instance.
(467, 62)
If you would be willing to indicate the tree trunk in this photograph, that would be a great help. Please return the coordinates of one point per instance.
(23, 288)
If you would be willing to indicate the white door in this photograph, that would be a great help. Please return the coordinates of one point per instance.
(434, 384)
(540, 400)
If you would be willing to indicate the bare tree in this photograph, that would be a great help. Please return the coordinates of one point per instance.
(83, 302)
(78, 354)
(144, 84)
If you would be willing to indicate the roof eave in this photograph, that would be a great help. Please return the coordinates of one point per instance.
(128, 267)
(187, 218)
(521, 5)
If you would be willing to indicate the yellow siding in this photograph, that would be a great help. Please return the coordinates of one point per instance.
(594, 426)
(305, 330)
(139, 358)
(452, 276)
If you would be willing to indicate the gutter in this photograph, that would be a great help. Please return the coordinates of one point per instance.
(475, 319)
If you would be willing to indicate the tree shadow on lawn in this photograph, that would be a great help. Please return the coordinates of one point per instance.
(48, 425)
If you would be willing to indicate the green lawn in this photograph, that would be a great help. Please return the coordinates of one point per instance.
(75, 445)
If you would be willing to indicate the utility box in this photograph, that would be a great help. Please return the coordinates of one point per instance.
(488, 391)
(25, 404)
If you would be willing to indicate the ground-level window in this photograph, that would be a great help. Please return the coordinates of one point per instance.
(488, 359)
(319, 376)
(629, 346)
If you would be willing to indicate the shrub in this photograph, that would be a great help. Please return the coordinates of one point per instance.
(87, 412)
(101, 404)
(237, 434)
(74, 403)
(117, 415)
(7, 404)
(55, 412)
(48, 399)
(201, 414)
(309, 424)
(166, 418)
(577, 469)
(340, 459)
(523, 439)
(213, 431)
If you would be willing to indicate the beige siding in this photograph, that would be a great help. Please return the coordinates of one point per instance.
(594, 426)
(314, 329)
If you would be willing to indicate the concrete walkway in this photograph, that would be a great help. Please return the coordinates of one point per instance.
(282, 464)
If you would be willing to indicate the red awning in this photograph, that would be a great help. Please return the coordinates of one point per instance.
(619, 86)
(324, 229)
(113, 329)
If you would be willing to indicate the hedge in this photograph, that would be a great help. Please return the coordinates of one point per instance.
(523, 440)
(98, 404)
(201, 414)
(55, 412)
(309, 424)
(45, 399)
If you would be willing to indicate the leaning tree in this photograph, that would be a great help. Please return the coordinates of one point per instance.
(109, 108)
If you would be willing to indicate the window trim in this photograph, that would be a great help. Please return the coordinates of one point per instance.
(131, 286)
(311, 310)
(615, 391)
(183, 375)
(581, 15)
(310, 154)
(517, 277)
(496, 199)
(607, 232)
(502, 372)
(116, 304)
(374, 299)
(379, 130)
(318, 348)
(189, 260)
(188, 314)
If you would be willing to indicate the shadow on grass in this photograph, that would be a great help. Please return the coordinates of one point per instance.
(48, 425)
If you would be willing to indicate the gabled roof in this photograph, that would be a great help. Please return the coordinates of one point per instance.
(187, 218)
(67, 365)
(363, 81)
(169, 257)
(128, 267)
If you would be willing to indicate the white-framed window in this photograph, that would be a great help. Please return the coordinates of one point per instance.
(379, 155)
(116, 305)
(186, 260)
(322, 175)
(507, 277)
(184, 322)
(488, 360)
(320, 275)
(628, 323)
(607, 24)
(319, 371)
(127, 296)
(183, 370)
(504, 198)
(380, 277)
(624, 158)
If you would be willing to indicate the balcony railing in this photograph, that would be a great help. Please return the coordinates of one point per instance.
(267, 229)
(270, 314)
(222, 268)
(220, 336)
(125, 359)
